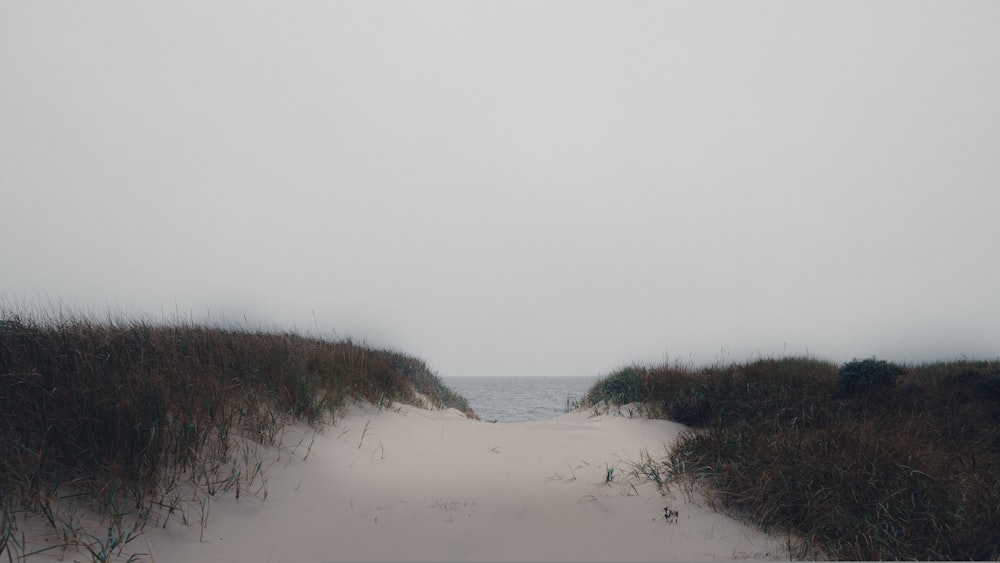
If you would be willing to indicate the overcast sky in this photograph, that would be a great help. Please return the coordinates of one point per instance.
(515, 188)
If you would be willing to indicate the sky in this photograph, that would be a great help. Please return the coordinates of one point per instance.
(514, 188)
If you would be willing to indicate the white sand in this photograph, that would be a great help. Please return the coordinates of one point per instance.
(433, 485)
(411, 484)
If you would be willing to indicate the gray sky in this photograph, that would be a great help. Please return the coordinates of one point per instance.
(515, 188)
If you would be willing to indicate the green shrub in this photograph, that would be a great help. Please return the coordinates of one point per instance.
(692, 406)
(620, 388)
(858, 375)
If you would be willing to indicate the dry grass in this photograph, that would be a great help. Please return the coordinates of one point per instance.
(138, 421)
(905, 471)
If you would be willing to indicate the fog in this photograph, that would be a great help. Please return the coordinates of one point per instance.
(514, 188)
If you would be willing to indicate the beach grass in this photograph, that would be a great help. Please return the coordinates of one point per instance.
(865, 461)
(143, 423)
(147, 423)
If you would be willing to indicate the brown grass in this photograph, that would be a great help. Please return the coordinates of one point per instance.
(904, 471)
(122, 415)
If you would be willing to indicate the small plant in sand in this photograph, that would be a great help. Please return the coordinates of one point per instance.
(670, 515)
(649, 469)
(364, 432)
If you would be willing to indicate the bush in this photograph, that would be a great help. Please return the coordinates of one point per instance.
(989, 386)
(621, 388)
(858, 375)
(692, 406)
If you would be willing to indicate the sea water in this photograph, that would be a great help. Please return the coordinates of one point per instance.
(522, 398)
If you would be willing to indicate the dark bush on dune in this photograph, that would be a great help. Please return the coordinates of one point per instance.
(858, 375)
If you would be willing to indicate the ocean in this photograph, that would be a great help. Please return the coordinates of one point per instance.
(519, 399)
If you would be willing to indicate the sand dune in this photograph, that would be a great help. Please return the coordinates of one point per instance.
(414, 484)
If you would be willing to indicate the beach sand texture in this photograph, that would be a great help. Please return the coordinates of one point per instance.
(410, 484)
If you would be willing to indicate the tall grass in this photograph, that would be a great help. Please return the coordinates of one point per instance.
(903, 471)
(123, 415)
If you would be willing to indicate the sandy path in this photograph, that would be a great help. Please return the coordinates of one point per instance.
(432, 485)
